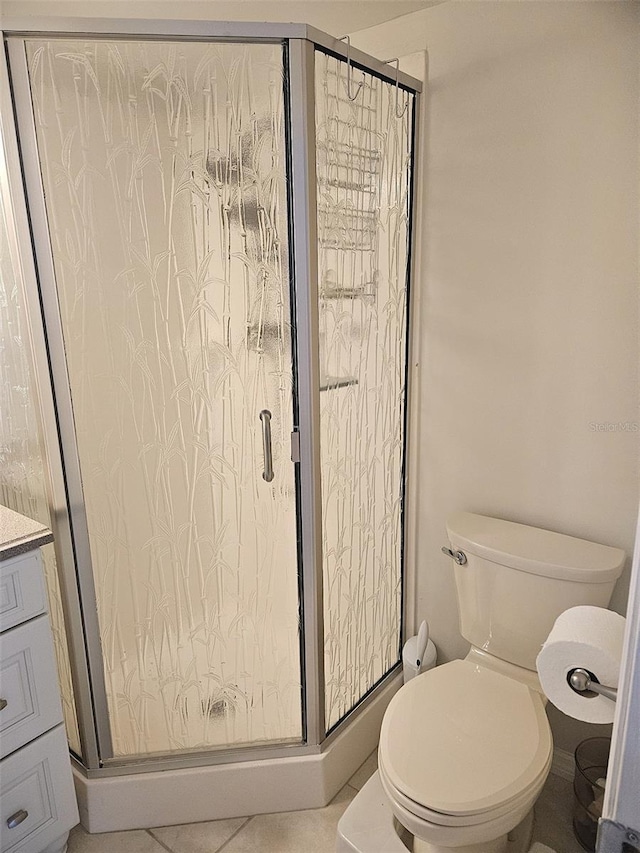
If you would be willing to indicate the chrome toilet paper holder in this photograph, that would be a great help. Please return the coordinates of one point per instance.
(584, 682)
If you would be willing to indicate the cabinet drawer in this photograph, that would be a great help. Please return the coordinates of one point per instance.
(22, 593)
(29, 695)
(37, 799)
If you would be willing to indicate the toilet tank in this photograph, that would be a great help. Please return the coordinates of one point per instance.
(518, 579)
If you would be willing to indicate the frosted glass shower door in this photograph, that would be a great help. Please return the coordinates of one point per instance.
(364, 131)
(164, 172)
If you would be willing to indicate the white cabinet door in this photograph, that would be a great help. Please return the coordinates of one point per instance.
(29, 697)
(620, 824)
(37, 800)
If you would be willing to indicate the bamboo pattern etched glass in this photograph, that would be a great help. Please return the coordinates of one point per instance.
(23, 486)
(363, 138)
(164, 173)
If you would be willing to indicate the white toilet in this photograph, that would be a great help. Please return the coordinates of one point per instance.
(465, 748)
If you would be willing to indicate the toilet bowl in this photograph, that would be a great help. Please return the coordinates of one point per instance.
(464, 752)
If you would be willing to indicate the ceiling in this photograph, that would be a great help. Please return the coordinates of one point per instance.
(333, 16)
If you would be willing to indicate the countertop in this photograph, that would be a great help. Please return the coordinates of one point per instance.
(19, 534)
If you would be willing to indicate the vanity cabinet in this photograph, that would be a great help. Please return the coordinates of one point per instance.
(37, 798)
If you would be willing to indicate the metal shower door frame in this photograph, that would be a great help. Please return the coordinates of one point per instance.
(66, 495)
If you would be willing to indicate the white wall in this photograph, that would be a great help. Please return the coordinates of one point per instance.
(529, 285)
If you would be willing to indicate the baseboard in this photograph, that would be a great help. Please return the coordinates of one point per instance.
(562, 764)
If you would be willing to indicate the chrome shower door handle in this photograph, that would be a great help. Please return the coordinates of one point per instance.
(265, 417)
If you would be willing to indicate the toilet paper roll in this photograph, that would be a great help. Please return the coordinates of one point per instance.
(586, 637)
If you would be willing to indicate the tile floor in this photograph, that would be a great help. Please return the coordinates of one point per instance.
(312, 831)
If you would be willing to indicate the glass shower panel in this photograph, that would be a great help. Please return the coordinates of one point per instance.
(364, 132)
(22, 474)
(163, 166)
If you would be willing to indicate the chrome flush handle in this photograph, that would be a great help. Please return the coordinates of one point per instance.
(459, 556)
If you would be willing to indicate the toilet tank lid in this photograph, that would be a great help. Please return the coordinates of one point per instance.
(534, 550)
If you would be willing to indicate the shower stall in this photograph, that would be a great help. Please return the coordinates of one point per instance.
(206, 253)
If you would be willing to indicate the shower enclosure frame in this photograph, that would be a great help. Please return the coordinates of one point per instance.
(65, 486)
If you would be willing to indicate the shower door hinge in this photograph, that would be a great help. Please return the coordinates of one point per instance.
(295, 446)
(616, 838)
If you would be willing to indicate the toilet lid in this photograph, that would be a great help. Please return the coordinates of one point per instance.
(461, 739)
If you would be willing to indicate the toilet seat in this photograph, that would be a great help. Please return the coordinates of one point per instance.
(464, 745)
(443, 819)
(421, 812)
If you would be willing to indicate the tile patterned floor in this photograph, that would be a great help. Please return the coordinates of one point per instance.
(311, 831)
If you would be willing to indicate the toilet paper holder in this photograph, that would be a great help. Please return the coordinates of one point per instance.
(582, 681)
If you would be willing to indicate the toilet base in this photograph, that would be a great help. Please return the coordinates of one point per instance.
(369, 826)
(517, 841)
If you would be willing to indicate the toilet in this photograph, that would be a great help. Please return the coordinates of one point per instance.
(466, 748)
